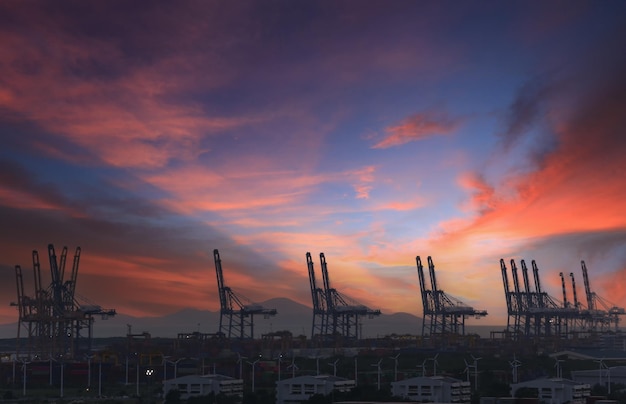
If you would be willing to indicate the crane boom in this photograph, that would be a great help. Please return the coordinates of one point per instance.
(516, 285)
(62, 260)
(74, 277)
(565, 302)
(588, 294)
(37, 273)
(328, 292)
(507, 289)
(220, 279)
(70, 285)
(314, 296)
(424, 291)
(576, 302)
(19, 280)
(528, 293)
(435, 294)
(540, 300)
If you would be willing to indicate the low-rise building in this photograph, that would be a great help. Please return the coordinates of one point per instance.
(197, 385)
(300, 389)
(556, 390)
(433, 388)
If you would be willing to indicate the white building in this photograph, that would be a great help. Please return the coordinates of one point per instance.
(433, 388)
(556, 390)
(196, 385)
(300, 389)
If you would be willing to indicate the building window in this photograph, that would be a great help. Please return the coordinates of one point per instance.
(546, 392)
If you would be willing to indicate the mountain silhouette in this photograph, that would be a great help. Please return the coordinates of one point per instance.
(292, 316)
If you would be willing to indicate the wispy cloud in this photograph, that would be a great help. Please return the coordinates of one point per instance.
(187, 127)
(417, 127)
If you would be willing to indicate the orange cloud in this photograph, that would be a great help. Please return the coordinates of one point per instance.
(416, 127)
(21, 200)
(614, 292)
(569, 195)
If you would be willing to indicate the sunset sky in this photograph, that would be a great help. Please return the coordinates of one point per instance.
(151, 133)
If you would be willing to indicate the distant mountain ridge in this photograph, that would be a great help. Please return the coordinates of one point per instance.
(291, 316)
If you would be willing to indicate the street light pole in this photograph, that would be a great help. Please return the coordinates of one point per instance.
(24, 381)
(137, 379)
(100, 379)
(88, 372)
(149, 373)
(62, 378)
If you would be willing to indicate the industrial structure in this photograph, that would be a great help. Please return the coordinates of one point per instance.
(601, 314)
(236, 312)
(334, 314)
(56, 324)
(443, 314)
(534, 313)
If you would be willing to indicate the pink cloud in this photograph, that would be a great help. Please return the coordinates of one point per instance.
(21, 200)
(400, 206)
(614, 291)
(482, 194)
(125, 119)
(363, 191)
(416, 127)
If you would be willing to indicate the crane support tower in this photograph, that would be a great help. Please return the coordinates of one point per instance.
(236, 312)
(57, 323)
(335, 315)
(319, 327)
(443, 314)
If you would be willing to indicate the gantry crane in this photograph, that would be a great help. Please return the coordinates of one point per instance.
(443, 314)
(530, 313)
(339, 315)
(54, 319)
(236, 312)
(537, 314)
